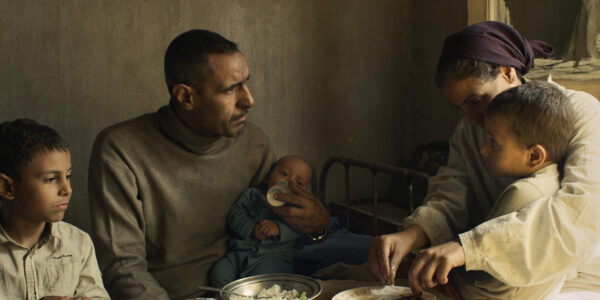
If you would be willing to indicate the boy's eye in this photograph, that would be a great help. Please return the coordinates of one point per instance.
(284, 173)
(300, 183)
(49, 179)
(69, 177)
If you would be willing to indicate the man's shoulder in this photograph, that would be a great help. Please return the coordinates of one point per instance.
(128, 134)
(129, 127)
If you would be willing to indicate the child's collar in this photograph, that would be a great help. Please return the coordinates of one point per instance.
(48, 233)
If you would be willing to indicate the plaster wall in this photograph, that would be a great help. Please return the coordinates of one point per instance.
(333, 77)
(553, 23)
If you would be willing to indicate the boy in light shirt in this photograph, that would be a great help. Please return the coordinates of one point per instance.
(40, 256)
(528, 129)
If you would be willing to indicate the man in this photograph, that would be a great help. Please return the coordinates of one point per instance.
(161, 185)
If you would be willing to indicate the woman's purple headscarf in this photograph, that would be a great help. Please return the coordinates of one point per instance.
(497, 43)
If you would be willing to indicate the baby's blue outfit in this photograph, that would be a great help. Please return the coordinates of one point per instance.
(246, 255)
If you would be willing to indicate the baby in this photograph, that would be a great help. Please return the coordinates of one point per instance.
(40, 256)
(261, 243)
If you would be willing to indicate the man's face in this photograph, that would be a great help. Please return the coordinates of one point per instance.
(220, 108)
(291, 168)
(503, 154)
(44, 190)
(472, 95)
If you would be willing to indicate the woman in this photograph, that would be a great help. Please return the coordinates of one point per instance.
(532, 251)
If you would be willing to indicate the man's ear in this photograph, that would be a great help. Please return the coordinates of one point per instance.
(7, 190)
(537, 155)
(509, 74)
(182, 93)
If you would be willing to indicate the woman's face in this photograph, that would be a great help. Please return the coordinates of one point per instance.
(472, 94)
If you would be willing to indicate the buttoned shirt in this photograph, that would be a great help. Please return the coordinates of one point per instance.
(62, 263)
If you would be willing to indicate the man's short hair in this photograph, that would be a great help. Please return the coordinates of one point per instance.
(186, 59)
(22, 140)
(538, 113)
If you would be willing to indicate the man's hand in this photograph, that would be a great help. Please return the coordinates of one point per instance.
(387, 251)
(306, 215)
(431, 266)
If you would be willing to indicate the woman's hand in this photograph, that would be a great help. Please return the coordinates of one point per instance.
(431, 266)
(306, 214)
(387, 251)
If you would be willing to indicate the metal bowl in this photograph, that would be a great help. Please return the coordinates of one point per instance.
(251, 286)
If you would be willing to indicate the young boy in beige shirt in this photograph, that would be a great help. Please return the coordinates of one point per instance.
(528, 129)
(40, 256)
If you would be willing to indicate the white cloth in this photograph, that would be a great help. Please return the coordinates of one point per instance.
(478, 284)
(542, 242)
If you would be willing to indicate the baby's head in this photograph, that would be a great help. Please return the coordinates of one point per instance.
(291, 168)
(527, 127)
(35, 171)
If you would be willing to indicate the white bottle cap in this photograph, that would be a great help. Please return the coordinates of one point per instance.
(280, 188)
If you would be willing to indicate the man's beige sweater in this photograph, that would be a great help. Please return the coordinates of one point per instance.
(159, 196)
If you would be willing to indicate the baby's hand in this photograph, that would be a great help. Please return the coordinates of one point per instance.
(258, 233)
(269, 228)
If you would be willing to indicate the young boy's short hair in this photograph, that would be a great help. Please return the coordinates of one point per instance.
(538, 113)
(22, 140)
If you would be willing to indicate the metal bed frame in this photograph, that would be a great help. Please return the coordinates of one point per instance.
(410, 175)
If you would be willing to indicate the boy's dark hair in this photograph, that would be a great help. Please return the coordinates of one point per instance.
(538, 113)
(461, 68)
(22, 140)
(186, 59)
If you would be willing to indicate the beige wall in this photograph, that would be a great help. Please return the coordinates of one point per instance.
(336, 77)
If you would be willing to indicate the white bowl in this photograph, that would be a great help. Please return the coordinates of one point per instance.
(379, 292)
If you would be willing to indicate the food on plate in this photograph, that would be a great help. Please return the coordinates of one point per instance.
(380, 297)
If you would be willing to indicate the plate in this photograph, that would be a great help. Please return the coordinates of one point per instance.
(379, 292)
(251, 286)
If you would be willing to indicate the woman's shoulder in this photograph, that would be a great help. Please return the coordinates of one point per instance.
(579, 99)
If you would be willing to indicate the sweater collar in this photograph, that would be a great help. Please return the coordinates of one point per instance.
(175, 129)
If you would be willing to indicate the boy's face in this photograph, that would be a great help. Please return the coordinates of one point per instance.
(503, 154)
(291, 168)
(44, 190)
